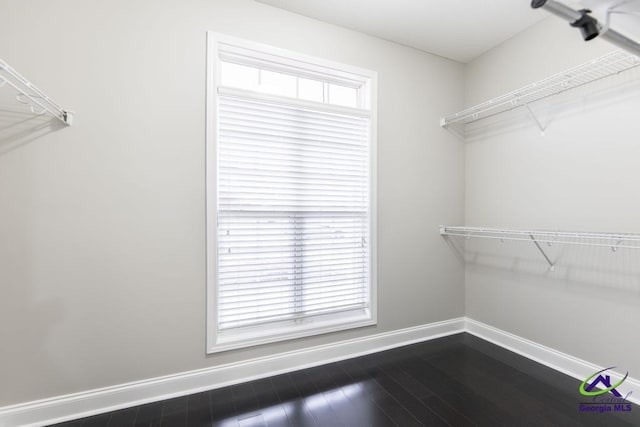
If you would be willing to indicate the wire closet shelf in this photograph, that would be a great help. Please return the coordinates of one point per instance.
(609, 240)
(614, 241)
(596, 69)
(28, 94)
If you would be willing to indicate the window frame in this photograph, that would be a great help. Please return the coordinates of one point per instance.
(263, 55)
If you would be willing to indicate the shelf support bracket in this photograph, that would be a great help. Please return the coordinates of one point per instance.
(535, 118)
(546, 257)
(30, 95)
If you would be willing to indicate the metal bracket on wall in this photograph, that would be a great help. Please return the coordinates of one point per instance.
(535, 119)
(546, 257)
(27, 93)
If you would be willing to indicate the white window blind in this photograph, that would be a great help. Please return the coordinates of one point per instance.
(293, 212)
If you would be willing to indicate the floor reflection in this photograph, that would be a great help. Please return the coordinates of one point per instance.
(343, 400)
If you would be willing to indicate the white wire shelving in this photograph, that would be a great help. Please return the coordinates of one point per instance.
(28, 94)
(596, 69)
(614, 241)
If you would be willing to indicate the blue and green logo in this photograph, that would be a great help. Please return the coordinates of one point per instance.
(603, 393)
(586, 388)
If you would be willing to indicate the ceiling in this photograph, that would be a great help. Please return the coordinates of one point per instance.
(457, 29)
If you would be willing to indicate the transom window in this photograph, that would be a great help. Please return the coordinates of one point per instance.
(275, 83)
(290, 174)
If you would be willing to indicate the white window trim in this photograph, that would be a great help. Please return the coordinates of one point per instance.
(214, 343)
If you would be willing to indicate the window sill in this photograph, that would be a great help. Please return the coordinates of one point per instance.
(237, 341)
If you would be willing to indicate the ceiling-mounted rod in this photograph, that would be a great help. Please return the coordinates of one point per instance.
(35, 96)
(589, 26)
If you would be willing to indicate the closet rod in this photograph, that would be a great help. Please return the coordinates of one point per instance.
(589, 26)
(34, 96)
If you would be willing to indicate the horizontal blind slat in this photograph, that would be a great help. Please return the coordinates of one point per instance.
(275, 289)
(267, 301)
(252, 155)
(291, 125)
(278, 317)
(309, 280)
(249, 105)
(249, 312)
(277, 145)
(232, 267)
(229, 173)
(292, 144)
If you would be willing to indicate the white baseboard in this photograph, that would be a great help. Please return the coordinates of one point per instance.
(78, 405)
(63, 408)
(554, 359)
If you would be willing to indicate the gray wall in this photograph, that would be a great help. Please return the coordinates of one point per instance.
(102, 225)
(582, 175)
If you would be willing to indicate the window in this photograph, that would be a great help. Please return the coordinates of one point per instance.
(290, 195)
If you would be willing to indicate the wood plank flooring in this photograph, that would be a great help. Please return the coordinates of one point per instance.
(453, 381)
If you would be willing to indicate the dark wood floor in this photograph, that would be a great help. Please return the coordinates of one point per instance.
(456, 381)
